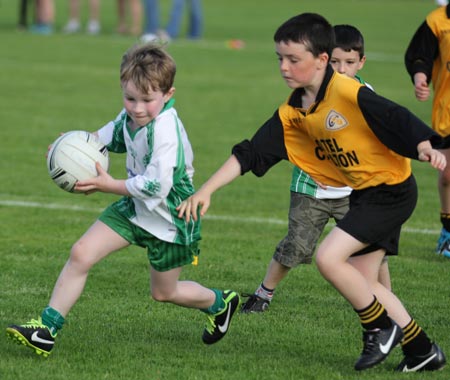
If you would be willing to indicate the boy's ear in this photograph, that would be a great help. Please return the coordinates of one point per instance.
(362, 61)
(324, 58)
(169, 94)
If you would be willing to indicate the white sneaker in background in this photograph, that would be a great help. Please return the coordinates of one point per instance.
(93, 27)
(149, 37)
(73, 26)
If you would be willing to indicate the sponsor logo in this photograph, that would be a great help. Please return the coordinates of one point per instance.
(223, 328)
(419, 366)
(385, 348)
(335, 121)
(35, 338)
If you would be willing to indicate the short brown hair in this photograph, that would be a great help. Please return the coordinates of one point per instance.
(148, 66)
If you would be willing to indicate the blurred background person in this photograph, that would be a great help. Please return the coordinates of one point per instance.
(135, 13)
(151, 23)
(44, 17)
(74, 23)
(195, 26)
(23, 14)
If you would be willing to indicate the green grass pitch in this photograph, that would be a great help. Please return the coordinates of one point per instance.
(52, 84)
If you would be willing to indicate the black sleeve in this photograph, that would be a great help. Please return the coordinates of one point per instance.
(394, 125)
(421, 52)
(264, 150)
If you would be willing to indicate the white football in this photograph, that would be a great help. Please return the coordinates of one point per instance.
(72, 158)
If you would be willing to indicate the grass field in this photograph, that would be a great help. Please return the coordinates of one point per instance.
(52, 84)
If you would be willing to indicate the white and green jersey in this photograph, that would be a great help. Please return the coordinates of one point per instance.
(159, 166)
(303, 183)
(362, 81)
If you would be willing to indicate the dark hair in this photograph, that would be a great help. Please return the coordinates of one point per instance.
(148, 66)
(310, 29)
(349, 38)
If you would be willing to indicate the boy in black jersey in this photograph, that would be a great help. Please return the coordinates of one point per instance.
(343, 134)
(311, 206)
(427, 61)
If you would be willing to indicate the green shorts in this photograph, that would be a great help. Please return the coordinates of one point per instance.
(162, 255)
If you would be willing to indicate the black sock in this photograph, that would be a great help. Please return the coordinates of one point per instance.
(415, 341)
(445, 220)
(374, 316)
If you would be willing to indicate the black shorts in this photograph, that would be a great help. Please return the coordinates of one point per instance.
(377, 213)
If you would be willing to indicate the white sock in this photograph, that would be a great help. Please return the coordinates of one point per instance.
(264, 293)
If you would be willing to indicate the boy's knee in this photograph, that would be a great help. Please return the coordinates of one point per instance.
(161, 296)
(323, 263)
(80, 256)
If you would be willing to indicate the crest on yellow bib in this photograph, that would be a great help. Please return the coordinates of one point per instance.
(335, 121)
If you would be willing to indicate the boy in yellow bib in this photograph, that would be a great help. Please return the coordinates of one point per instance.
(312, 206)
(427, 61)
(343, 134)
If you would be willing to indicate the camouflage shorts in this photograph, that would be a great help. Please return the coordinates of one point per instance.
(308, 217)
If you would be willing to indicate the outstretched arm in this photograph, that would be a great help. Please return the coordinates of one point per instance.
(230, 170)
(265, 149)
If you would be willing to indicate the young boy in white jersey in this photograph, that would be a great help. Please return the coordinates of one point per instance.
(159, 166)
(344, 134)
(311, 206)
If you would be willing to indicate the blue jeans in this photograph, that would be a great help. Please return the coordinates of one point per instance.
(195, 18)
(151, 8)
